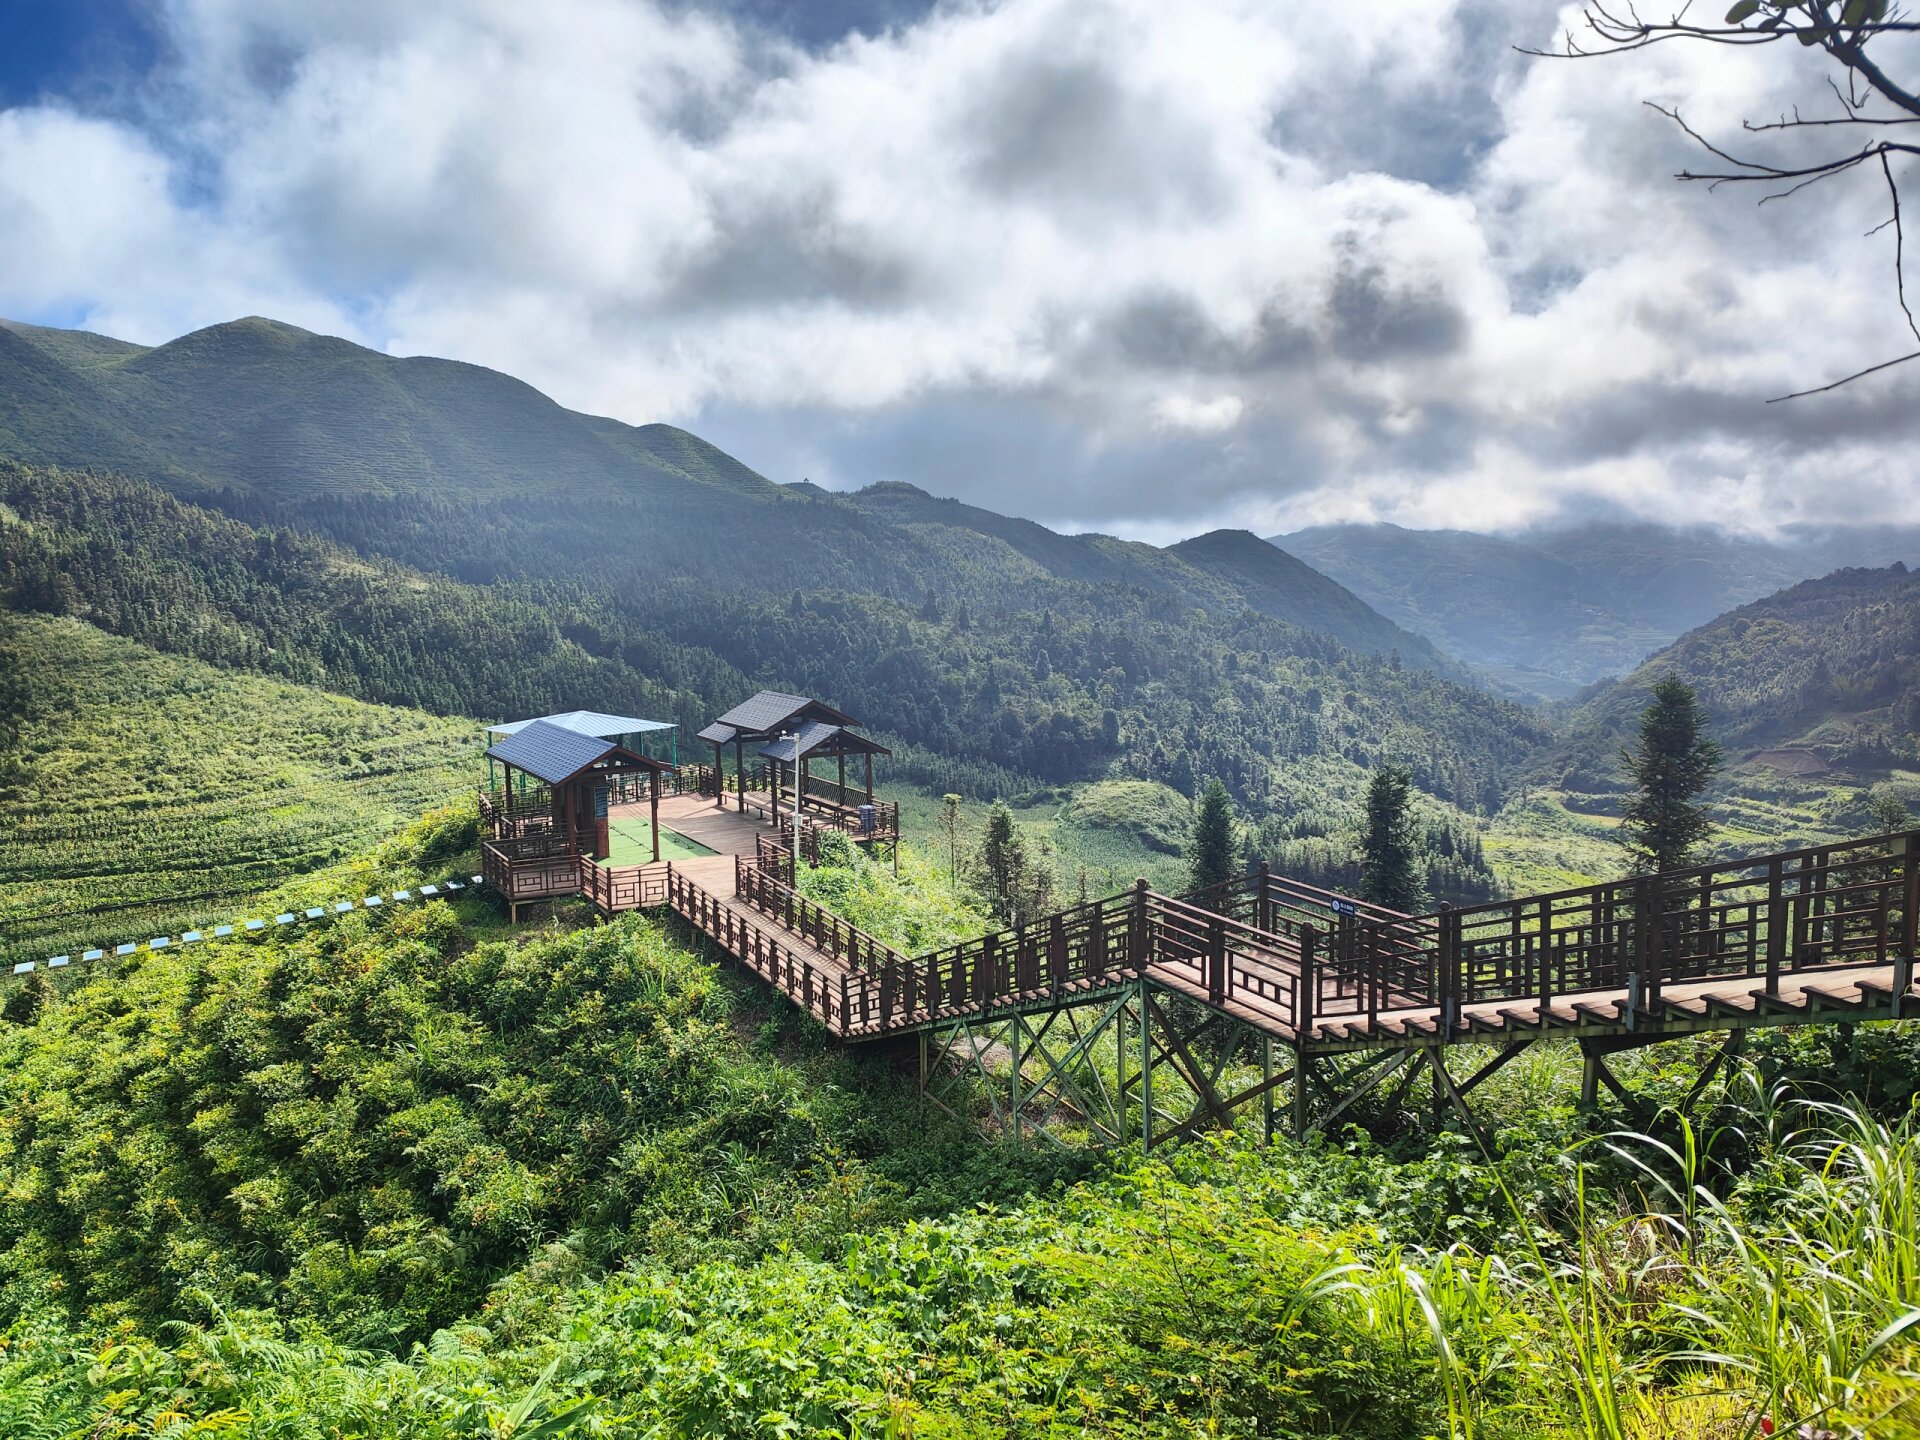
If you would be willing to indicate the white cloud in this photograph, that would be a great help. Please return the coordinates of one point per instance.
(1175, 266)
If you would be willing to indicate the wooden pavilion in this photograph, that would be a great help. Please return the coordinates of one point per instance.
(765, 718)
(575, 774)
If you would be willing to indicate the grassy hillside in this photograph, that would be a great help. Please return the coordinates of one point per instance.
(147, 792)
(411, 1174)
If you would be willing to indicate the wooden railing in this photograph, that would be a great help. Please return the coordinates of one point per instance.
(531, 867)
(510, 814)
(822, 993)
(1757, 918)
(626, 887)
(825, 931)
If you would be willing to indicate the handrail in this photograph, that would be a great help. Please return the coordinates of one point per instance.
(823, 929)
(1854, 901)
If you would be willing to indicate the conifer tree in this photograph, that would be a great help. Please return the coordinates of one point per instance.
(1210, 850)
(1390, 871)
(1018, 883)
(1664, 823)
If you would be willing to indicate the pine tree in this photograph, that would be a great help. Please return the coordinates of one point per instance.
(1018, 883)
(1210, 857)
(1663, 823)
(1390, 871)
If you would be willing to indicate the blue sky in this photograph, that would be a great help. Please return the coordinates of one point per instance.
(1107, 263)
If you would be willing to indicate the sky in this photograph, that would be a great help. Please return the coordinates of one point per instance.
(1108, 264)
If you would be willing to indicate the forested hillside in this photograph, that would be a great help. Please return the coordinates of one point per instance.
(1813, 692)
(1829, 666)
(992, 699)
(460, 469)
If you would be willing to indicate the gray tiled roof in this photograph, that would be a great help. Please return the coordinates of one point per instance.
(546, 750)
(771, 709)
(813, 736)
(718, 733)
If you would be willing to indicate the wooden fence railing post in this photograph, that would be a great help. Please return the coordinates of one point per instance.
(1776, 925)
(1263, 898)
(1216, 959)
(1137, 936)
(1307, 1001)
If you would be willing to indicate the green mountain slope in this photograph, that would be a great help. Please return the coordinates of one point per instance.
(1814, 693)
(1830, 665)
(150, 792)
(457, 468)
(1577, 604)
(1278, 584)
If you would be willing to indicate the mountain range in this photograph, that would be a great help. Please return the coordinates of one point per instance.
(428, 533)
(1548, 611)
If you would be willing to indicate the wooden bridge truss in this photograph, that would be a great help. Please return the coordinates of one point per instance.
(1145, 1016)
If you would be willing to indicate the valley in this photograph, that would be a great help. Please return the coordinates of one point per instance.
(421, 1170)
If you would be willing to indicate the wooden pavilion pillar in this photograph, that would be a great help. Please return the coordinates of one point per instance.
(841, 798)
(869, 777)
(740, 770)
(654, 798)
(719, 775)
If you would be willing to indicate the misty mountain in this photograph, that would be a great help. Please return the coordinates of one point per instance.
(1551, 610)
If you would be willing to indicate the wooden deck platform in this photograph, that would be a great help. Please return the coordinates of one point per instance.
(1814, 936)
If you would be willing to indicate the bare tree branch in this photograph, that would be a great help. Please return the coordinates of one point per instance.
(1842, 30)
(1847, 379)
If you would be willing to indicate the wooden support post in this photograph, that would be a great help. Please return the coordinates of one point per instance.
(1263, 898)
(740, 772)
(869, 777)
(840, 798)
(719, 776)
(1266, 1088)
(654, 806)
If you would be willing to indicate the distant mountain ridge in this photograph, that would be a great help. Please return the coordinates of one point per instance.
(1813, 693)
(1573, 605)
(458, 468)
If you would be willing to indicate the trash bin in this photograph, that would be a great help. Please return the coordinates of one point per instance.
(866, 819)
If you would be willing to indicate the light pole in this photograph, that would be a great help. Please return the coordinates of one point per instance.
(793, 736)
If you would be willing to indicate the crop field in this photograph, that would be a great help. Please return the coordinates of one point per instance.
(187, 789)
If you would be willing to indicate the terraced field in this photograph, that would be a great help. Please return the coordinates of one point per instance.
(188, 789)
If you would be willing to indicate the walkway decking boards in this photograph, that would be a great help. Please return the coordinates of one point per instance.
(1813, 936)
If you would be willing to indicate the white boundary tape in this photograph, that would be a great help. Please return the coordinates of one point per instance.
(221, 932)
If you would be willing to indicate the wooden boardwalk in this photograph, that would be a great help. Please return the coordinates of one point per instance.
(1824, 935)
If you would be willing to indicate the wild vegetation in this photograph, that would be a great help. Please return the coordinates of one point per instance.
(143, 793)
(417, 1174)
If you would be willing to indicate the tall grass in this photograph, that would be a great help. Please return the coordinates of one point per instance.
(1764, 1279)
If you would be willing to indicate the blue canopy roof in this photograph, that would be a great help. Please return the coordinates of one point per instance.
(586, 722)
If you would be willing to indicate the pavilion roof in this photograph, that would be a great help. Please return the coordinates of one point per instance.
(815, 737)
(773, 710)
(595, 723)
(551, 753)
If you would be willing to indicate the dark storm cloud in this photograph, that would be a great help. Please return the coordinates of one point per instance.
(1071, 132)
(785, 248)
